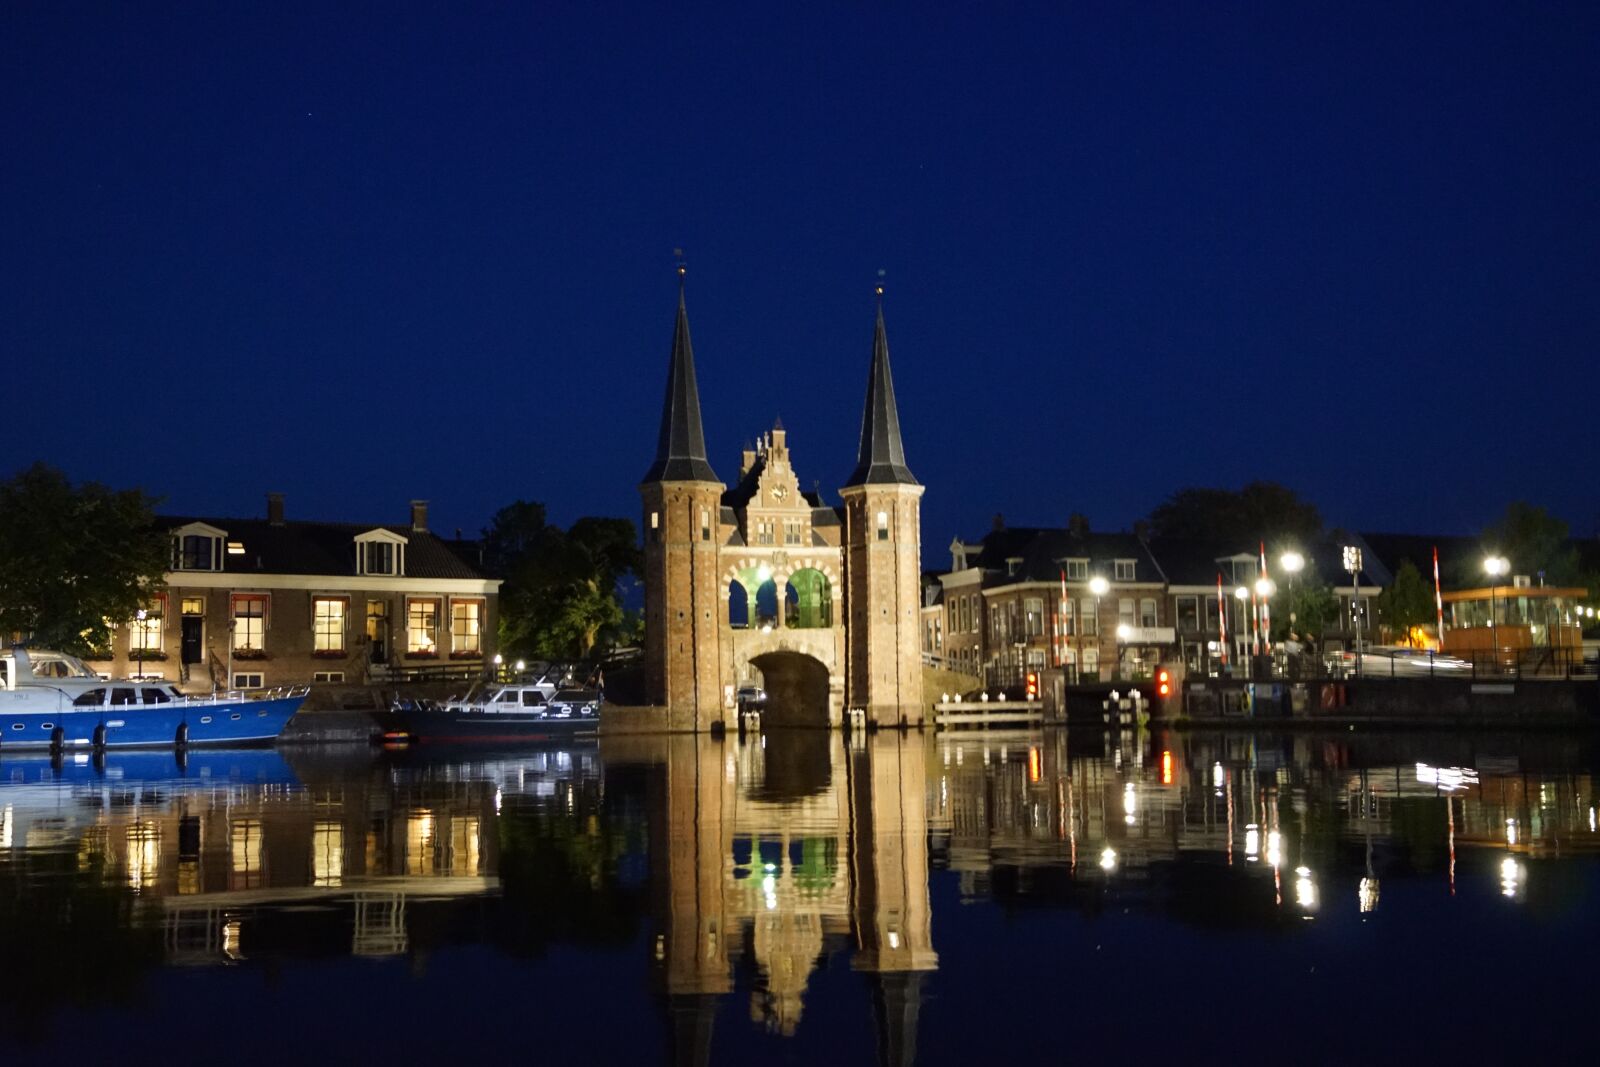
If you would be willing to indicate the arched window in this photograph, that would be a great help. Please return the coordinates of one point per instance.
(812, 598)
(738, 605)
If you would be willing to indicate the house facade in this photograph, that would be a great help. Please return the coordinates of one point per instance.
(258, 603)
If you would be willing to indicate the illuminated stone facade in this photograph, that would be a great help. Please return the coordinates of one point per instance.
(764, 585)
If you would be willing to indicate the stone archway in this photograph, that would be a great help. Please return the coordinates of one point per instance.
(797, 689)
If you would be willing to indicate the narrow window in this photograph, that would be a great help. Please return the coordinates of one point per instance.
(466, 627)
(883, 526)
(705, 525)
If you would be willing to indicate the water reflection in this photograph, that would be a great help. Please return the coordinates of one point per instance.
(737, 875)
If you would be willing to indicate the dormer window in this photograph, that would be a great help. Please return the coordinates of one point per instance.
(381, 552)
(1013, 565)
(197, 547)
(1077, 570)
(1124, 570)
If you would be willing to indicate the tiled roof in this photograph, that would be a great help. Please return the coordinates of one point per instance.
(327, 548)
(1041, 551)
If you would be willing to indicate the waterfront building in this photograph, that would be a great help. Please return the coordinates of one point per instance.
(254, 603)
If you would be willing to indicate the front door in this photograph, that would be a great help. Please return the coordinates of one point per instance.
(192, 626)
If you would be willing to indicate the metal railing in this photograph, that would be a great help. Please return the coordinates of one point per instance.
(1541, 664)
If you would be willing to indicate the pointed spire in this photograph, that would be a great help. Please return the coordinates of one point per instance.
(882, 458)
(681, 450)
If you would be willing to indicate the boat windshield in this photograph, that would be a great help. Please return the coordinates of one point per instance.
(58, 665)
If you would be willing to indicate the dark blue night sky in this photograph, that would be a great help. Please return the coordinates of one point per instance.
(388, 251)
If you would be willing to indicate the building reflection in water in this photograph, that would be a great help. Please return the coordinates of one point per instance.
(751, 863)
(785, 849)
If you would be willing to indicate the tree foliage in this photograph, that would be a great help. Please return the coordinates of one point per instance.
(1407, 603)
(1535, 542)
(74, 559)
(1260, 511)
(560, 586)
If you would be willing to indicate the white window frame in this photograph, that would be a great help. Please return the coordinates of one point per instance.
(1077, 570)
(234, 617)
(1124, 570)
(438, 610)
(341, 634)
(248, 680)
(148, 636)
(205, 532)
(381, 536)
(482, 610)
(328, 677)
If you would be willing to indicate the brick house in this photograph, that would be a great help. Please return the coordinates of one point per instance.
(252, 603)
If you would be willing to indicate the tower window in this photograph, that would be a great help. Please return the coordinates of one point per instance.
(705, 525)
(655, 527)
(883, 526)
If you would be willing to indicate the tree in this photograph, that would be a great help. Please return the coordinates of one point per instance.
(560, 587)
(1260, 511)
(1536, 543)
(74, 561)
(1407, 603)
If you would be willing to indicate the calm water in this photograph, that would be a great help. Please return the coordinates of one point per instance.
(808, 899)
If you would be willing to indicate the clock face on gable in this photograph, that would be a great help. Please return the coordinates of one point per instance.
(779, 492)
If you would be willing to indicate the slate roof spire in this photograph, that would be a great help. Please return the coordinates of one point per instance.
(882, 458)
(681, 450)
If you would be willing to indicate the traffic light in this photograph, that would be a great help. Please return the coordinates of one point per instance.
(1033, 685)
(1163, 683)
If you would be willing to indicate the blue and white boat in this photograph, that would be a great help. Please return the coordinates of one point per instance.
(54, 701)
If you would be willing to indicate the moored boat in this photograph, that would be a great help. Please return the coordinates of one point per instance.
(497, 713)
(50, 700)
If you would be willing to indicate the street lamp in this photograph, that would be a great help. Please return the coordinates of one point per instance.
(1352, 563)
(1098, 586)
(1292, 563)
(1494, 567)
(141, 615)
(1242, 595)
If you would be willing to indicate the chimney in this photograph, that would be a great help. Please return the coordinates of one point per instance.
(999, 522)
(275, 509)
(419, 516)
(1078, 525)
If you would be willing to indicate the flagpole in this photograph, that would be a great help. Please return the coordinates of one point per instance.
(1222, 622)
(1438, 598)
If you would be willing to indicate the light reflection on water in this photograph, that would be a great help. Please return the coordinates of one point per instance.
(737, 879)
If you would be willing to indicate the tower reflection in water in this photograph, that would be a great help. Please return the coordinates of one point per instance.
(782, 848)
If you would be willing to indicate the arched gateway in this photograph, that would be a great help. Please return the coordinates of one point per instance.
(765, 584)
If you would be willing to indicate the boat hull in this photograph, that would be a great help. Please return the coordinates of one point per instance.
(479, 727)
(147, 726)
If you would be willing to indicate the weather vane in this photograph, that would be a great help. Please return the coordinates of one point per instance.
(881, 273)
(683, 267)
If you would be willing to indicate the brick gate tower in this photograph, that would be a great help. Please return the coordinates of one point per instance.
(882, 559)
(766, 586)
(682, 585)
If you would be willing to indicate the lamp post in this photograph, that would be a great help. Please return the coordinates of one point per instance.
(1292, 563)
(1242, 595)
(1495, 567)
(1352, 563)
(141, 615)
(1098, 586)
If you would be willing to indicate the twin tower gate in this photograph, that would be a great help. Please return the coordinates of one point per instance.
(764, 579)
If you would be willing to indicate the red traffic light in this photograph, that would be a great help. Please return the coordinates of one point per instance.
(1033, 684)
(1163, 682)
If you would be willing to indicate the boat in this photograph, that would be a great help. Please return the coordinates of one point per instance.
(50, 700)
(496, 712)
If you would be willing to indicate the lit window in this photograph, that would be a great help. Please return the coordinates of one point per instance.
(1034, 612)
(883, 526)
(705, 525)
(249, 623)
(327, 624)
(235, 548)
(1124, 570)
(144, 635)
(466, 627)
(422, 626)
(193, 605)
(378, 630)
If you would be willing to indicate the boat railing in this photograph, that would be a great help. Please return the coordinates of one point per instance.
(236, 696)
